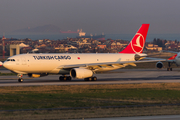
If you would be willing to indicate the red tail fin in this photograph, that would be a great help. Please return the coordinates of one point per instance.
(137, 43)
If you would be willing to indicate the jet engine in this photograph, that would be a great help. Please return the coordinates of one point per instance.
(37, 75)
(81, 73)
(159, 65)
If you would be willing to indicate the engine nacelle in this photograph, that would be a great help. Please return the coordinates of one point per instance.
(80, 73)
(37, 75)
(159, 65)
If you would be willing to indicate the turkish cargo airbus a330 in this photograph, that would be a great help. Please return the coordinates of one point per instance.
(77, 65)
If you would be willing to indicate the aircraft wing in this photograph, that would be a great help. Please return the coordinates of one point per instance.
(169, 51)
(108, 64)
(171, 61)
(156, 59)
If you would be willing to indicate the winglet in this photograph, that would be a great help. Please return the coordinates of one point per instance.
(137, 43)
(173, 57)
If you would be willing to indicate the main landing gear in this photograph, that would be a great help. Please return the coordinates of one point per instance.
(169, 66)
(20, 78)
(64, 78)
(90, 79)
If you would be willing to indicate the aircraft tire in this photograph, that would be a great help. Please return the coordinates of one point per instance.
(90, 78)
(69, 78)
(20, 80)
(169, 69)
(61, 78)
(94, 78)
(64, 78)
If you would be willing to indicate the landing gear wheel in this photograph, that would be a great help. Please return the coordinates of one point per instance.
(169, 66)
(90, 79)
(60, 78)
(69, 78)
(94, 78)
(20, 77)
(20, 80)
(64, 78)
(169, 69)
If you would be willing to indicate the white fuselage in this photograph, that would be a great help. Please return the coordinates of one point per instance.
(177, 59)
(53, 63)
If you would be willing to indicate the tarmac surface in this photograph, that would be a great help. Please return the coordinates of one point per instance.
(162, 117)
(121, 76)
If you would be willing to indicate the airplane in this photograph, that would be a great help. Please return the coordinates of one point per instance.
(175, 59)
(79, 65)
(1, 63)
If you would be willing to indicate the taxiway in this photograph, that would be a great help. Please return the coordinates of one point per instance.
(121, 76)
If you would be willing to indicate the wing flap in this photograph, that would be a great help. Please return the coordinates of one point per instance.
(107, 64)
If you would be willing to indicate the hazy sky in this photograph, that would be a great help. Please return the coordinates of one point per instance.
(94, 16)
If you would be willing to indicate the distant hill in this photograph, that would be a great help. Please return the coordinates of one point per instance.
(40, 29)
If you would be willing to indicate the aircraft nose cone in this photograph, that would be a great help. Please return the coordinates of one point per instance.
(6, 65)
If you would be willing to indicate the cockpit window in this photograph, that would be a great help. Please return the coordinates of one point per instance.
(10, 59)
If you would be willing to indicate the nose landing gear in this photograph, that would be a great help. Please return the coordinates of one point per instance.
(20, 78)
(169, 67)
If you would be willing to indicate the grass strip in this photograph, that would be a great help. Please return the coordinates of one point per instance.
(7, 74)
(88, 95)
(37, 97)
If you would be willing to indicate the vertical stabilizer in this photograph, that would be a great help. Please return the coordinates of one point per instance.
(137, 43)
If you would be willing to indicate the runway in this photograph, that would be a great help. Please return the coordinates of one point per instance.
(162, 117)
(121, 76)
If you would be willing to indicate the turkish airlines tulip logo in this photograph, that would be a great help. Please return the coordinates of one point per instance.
(138, 44)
